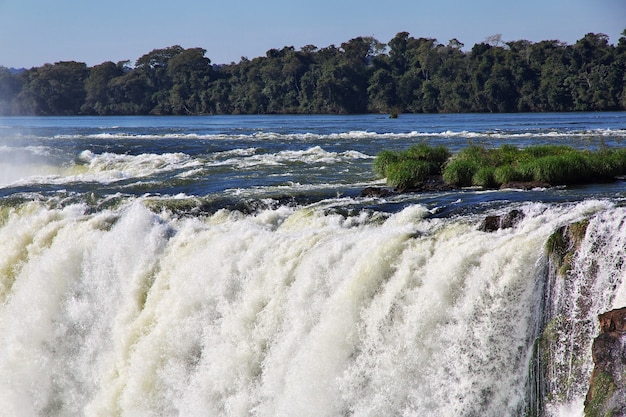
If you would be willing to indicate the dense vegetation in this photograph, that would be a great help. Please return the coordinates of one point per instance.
(361, 75)
(491, 168)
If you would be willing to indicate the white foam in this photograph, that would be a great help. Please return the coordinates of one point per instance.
(274, 136)
(247, 158)
(291, 312)
(104, 168)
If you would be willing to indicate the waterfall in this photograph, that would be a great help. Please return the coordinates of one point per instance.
(298, 311)
(584, 278)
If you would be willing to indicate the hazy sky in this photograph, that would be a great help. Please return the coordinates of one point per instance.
(35, 32)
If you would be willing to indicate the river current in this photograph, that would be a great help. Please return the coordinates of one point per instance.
(228, 266)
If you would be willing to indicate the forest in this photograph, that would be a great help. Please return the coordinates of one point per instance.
(362, 75)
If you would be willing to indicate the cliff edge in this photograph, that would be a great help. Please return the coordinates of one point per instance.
(607, 387)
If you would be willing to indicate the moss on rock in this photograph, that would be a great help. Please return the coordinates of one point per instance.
(600, 396)
(562, 245)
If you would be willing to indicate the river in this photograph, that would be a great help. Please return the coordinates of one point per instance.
(228, 266)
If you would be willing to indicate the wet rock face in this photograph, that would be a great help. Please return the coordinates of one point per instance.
(607, 388)
(527, 185)
(377, 192)
(493, 223)
(613, 321)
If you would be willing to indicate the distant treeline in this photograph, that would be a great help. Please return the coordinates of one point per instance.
(406, 75)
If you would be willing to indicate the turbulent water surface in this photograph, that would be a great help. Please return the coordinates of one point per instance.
(227, 266)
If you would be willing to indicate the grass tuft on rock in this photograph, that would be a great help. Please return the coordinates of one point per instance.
(494, 167)
(407, 169)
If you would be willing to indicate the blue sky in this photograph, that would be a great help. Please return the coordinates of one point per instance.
(35, 32)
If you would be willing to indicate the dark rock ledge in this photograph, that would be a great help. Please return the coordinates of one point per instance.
(493, 223)
(607, 387)
(527, 185)
(436, 184)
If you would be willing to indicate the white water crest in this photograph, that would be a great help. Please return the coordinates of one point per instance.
(246, 158)
(291, 312)
(108, 168)
(273, 136)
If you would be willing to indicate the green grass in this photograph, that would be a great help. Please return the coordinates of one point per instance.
(384, 160)
(460, 171)
(409, 173)
(493, 167)
(409, 168)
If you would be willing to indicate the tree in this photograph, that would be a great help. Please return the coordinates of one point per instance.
(430, 97)
(98, 99)
(397, 53)
(350, 78)
(57, 89)
(554, 93)
(407, 75)
(153, 67)
(494, 40)
(190, 73)
(500, 93)
(130, 94)
(381, 92)
(620, 64)
(593, 75)
(525, 76)
(10, 86)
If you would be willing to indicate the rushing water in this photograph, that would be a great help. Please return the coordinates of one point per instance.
(227, 266)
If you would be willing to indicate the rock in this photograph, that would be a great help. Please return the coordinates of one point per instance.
(493, 223)
(432, 184)
(512, 218)
(490, 224)
(525, 185)
(563, 245)
(607, 388)
(435, 184)
(376, 192)
(613, 321)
